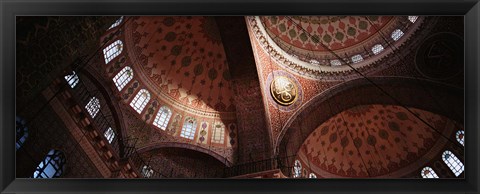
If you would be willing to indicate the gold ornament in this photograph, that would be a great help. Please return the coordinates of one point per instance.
(283, 90)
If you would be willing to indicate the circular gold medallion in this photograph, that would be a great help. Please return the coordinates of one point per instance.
(283, 90)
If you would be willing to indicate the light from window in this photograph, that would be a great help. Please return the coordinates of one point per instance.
(314, 62)
(72, 79)
(335, 62)
(412, 18)
(147, 171)
(119, 20)
(93, 106)
(312, 176)
(162, 118)
(428, 172)
(52, 166)
(123, 77)
(461, 137)
(357, 58)
(189, 128)
(140, 101)
(21, 132)
(109, 134)
(297, 169)
(397, 34)
(453, 163)
(112, 51)
(377, 49)
(218, 133)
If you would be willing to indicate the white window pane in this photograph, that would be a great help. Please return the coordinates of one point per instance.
(162, 118)
(377, 49)
(93, 107)
(335, 62)
(460, 135)
(140, 101)
(357, 58)
(109, 135)
(112, 51)
(147, 171)
(397, 34)
(428, 172)
(453, 162)
(412, 18)
(72, 79)
(119, 20)
(51, 166)
(189, 128)
(123, 77)
(218, 133)
(312, 176)
(297, 169)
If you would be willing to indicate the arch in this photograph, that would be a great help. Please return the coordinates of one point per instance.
(160, 145)
(140, 100)
(428, 172)
(189, 128)
(21, 132)
(415, 93)
(123, 77)
(163, 117)
(455, 165)
(112, 51)
(52, 166)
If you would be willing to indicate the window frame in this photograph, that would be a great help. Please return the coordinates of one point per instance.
(138, 105)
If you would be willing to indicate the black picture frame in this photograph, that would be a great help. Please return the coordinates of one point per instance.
(469, 8)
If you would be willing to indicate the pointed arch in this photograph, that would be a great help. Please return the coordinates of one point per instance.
(163, 117)
(112, 51)
(140, 101)
(123, 77)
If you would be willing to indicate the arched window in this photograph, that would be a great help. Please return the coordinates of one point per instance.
(428, 172)
(297, 169)
(412, 18)
(52, 166)
(312, 176)
(460, 135)
(377, 49)
(218, 132)
(189, 128)
(314, 62)
(123, 77)
(147, 171)
(453, 162)
(112, 51)
(93, 106)
(119, 20)
(162, 118)
(335, 62)
(109, 134)
(21, 132)
(140, 101)
(396, 34)
(72, 79)
(357, 58)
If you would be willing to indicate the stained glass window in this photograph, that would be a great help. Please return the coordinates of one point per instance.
(93, 106)
(109, 134)
(72, 79)
(140, 101)
(112, 51)
(397, 34)
(52, 166)
(119, 20)
(377, 49)
(162, 118)
(123, 77)
(218, 132)
(453, 162)
(21, 132)
(297, 169)
(189, 128)
(428, 172)
(357, 58)
(460, 135)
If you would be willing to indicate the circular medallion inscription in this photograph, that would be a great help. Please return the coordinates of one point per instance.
(283, 90)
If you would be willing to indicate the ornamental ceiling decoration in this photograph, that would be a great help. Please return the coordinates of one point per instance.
(373, 140)
(182, 60)
(285, 90)
(304, 44)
